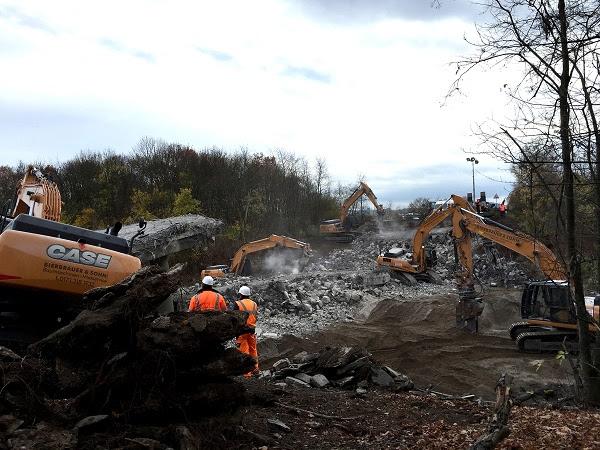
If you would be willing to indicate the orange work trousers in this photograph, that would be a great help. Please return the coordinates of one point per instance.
(247, 344)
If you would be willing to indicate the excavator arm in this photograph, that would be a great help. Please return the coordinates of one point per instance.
(363, 188)
(465, 224)
(237, 263)
(518, 242)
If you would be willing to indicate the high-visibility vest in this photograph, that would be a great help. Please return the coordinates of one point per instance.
(208, 301)
(251, 308)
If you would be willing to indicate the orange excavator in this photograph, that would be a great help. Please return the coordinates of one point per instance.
(240, 265)
(418, 266)
(339, 230)
(547, 308)
(46, 266)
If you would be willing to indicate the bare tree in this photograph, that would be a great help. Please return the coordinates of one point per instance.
(556, 43)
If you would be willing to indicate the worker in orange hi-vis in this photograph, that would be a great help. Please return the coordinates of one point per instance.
(207, 299)
(247, 342)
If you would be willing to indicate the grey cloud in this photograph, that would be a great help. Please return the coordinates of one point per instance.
(306, 72)
(215, 54)
(118, 47)
(365, 11)
(13, 14)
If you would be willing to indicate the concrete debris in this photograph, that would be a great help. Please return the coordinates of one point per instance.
(342, 286)
(303, 377)
(296, 382)
(164, 237)
(319, 381)
(346, 367)
(278, 425)
(282, 363)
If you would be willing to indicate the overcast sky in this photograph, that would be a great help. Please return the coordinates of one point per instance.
(358, 82)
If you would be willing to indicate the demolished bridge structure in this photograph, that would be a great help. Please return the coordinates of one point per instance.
(165, 237)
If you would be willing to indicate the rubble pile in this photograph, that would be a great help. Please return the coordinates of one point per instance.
(491, 266)
(118, 365)
(305, 303)
(344, 367)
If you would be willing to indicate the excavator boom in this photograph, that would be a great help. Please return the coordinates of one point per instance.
(362, 189)
(338, 229)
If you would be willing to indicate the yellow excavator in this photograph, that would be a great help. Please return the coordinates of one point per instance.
(339, 230)
(240, 265)
(46, 266)
(547, 308)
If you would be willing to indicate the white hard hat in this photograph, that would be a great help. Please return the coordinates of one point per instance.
(244, 290)
(208, 280)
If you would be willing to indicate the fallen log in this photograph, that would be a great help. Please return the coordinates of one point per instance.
(497, 429)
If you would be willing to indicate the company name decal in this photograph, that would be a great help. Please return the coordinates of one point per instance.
(75, 255)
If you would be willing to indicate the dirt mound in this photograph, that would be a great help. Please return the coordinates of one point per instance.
(417, 337)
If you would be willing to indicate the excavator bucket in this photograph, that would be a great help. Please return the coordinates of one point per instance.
(468, 310)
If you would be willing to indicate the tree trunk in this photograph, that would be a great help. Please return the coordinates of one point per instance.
(588, 374)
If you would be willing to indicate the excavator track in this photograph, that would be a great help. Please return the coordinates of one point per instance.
(518, 328)
(547, 341)
(405, 278)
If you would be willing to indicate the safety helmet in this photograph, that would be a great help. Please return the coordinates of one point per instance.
(244, 290)
(208, 280)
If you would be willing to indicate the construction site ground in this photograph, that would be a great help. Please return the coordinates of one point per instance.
(417, 337)
(415, 334)
(332, 303)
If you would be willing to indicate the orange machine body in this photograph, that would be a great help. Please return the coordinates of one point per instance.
(33, 261)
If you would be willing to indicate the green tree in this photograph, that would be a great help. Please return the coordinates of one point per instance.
(185, 203)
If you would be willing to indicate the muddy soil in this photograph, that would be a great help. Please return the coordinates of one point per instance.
(417, 337)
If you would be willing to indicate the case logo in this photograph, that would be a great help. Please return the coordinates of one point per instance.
(75, 255)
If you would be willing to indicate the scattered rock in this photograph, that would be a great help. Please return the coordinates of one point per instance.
(380, 377)
(278, 425)
(303, 377)
(296, 382)
(319, 380)
(281, 364)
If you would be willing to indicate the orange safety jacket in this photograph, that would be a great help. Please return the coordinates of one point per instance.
(251, 308)
(207, 301)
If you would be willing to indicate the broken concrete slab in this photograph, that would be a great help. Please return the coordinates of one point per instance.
(336, 357)
(281, 364)
(296, 382)
(303, 377)
(380, 377)
(164, 237)
(360, 362)
(319, 380)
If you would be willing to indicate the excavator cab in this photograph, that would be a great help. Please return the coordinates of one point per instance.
(548, 300)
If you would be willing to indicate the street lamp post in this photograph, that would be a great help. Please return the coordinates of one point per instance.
(473, 161)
